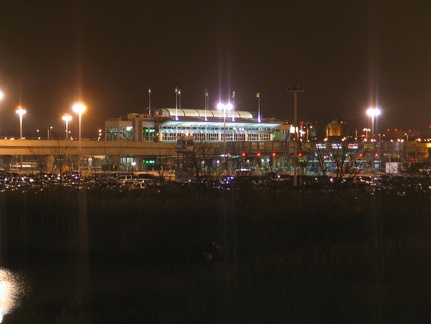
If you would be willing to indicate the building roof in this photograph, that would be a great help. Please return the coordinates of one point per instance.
(173, 112)
(229, 123)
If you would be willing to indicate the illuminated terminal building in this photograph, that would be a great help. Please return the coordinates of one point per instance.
(250, 144)
(170, 124)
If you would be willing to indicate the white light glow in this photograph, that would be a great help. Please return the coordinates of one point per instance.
(21, 111)
(222, 106)
(79, 108)
(373, 112)
(66, 118)
(11, 289)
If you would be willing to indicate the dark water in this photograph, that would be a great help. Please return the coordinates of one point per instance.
(62, 290)
(121, 290)
(306, 259)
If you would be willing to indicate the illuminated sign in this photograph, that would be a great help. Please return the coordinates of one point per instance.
(149, 162)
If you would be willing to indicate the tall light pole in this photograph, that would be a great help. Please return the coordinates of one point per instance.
(176, 103)
(233, 105)
(79, 108)
(149, 101)
(49, 132)
(258, 106)
(67, 118)
(21, 112)
(373, 113)
(206, 104)
(224, 108)
(1, 95)
(295, 89)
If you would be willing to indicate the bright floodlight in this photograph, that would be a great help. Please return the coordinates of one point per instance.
(373, 112)
(66, 118)
(222, 106)
(79, 108)
(21, 111)
(1, 95)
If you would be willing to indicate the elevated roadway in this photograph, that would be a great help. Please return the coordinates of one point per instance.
(88, 147)
(51, 148)
(114, 150)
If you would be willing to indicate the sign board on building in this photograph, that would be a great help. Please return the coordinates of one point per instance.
(392, 167)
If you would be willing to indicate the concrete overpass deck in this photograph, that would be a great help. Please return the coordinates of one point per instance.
(88, 147)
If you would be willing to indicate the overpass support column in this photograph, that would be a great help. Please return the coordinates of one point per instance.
(7, 161)
(49, 163)
(138, 160)
(74, 159)
(115, 160)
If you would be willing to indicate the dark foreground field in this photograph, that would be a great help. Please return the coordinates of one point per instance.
(208, 256)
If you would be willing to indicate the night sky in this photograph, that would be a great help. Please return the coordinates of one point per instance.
(345, 54)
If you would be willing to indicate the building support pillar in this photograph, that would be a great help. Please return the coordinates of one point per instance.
(115, 161)
(49, 163)
(7, 162)
(138, 161)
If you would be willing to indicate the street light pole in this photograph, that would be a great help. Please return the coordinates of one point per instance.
(176, 103)
(233, 105)
(295, 89)
(67, 118)
(258, 106)
(206, 104)
(224, 108)
(149, 101)
(20, 111)
(49, 133)
(373, 113)
(1, 95)
(79, 108)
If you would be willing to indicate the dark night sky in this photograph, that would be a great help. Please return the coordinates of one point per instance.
(346, 55)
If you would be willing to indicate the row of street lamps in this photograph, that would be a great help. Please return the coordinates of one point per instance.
(78, 108)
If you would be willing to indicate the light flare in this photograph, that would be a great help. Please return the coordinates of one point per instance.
(11, 289)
